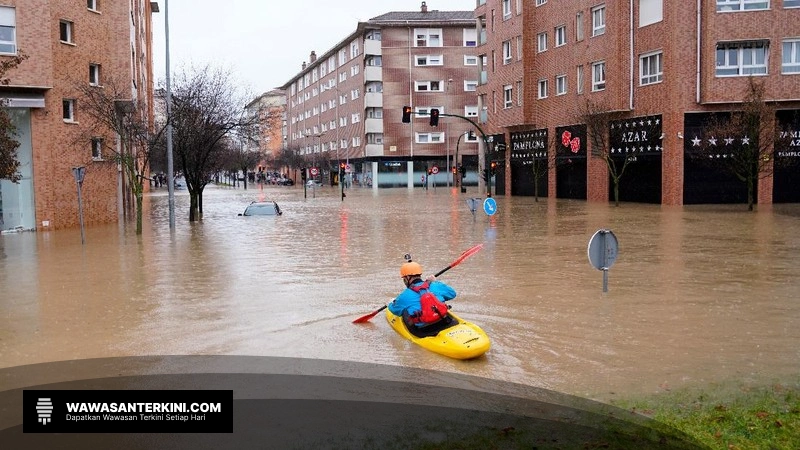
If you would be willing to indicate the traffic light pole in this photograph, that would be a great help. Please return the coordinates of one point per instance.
(435, 114)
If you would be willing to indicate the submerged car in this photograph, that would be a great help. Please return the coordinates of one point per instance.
(262, 209)
(314, 183)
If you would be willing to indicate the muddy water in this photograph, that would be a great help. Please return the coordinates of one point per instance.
(698, 294)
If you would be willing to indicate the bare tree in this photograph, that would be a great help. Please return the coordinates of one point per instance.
(243, 158)
(206, 109)
(9, 164)
(113, 117)
(743, 142)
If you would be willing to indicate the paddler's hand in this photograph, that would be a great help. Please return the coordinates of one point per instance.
(431, 278)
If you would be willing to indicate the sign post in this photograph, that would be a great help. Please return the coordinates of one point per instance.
(603, 250)
(79, 173)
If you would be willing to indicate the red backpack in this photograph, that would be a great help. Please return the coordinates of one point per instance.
(431, 308)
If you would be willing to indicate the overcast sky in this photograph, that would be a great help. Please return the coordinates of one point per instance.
(264, 42)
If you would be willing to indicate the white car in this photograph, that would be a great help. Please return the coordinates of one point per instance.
(313, 183)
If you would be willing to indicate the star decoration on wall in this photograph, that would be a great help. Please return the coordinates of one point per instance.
(696, 142)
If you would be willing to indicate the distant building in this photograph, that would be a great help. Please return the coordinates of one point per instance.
(270, 107)
(665, 66)
(69, 41)
(345, 105)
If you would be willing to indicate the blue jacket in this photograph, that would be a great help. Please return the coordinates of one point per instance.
(408, 300)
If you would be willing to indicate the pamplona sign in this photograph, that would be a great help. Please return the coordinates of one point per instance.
(529, 145)
(636, 136)
(792, 138)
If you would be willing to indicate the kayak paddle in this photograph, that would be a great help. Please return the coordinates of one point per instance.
(458, 261)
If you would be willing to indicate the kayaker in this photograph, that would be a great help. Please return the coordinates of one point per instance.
(409, 303)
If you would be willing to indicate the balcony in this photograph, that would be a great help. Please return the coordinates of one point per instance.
(372, 47)
(373, 150)
(373, 100)
(373, 73)
(484, 77)
(373, 125)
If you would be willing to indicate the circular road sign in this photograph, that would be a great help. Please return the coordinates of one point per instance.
(314, 171)
(603, 249)
(435, 170)
(490, 206)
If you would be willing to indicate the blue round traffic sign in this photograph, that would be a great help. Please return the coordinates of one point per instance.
(489, 206)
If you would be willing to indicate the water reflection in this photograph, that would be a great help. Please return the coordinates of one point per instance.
(698, 294)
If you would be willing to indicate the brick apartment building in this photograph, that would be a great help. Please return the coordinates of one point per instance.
(270, 107)
(345, 105)
(69, 42)
(666, 66)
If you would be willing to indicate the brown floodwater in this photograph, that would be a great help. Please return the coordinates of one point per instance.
(698, 294)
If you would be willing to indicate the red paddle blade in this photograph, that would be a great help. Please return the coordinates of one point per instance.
(366, 318)
(467, 254)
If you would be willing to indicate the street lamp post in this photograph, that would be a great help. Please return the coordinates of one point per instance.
(79, 173)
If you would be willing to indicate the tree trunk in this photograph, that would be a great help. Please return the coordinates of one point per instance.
(750, 187)
(193, 206)
(616, 191)
(139, 201)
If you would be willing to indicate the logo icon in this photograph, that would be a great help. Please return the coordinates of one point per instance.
(44, 408)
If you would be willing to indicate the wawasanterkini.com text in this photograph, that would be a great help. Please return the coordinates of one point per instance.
(143, 407)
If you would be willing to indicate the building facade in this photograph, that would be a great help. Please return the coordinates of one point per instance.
(664, 68)
(270, 107)
(345, 105)
(69, 42)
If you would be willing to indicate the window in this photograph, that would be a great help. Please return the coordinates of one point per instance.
(561, 35)
(354, 69)
(471, 111)
(470, 37)
(506, 9)
(97, 149)
(94, 74)
(373, 60)
(92, 5)
(540, 2)
(8, 30)
(506, 52)
(424, 86)
(470, 60)
(508, 96)
(519, 48)
(428, 37)
(356, 141)
(561, 84)
(423, 112)
(791, 3)
(353, 49)
(741, 5)
(742, 58)
(430, 138)
(68, 110)
(541, 40)
(355, 118)
(542, 89)
(598, 76)
(598, 20)
(470, 86)
(519, 93)
(579, 26)
(65, 31)
(429, 60)
(790, 60)
(650, 68)
(650, 11)
(355, 93)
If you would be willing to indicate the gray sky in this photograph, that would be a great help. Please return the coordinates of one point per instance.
(264, 42)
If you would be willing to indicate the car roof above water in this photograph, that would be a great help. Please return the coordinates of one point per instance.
(262, 209)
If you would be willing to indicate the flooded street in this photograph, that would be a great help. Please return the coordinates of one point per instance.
(698, 295)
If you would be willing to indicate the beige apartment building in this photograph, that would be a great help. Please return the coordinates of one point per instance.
(69, 42)
(270, 107)
(665, 66)
(345, 105)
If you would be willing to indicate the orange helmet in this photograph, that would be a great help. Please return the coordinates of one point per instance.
(410, 268)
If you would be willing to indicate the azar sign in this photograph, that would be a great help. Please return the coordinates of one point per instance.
(636, 136)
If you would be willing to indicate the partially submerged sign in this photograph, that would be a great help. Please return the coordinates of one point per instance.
(603, 250)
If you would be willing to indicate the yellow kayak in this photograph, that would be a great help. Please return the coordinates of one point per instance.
(451, 337)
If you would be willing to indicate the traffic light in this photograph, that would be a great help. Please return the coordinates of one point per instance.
(455, 170)
(494, 166)
(434, 117)
(303, 174)
(406, 114)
